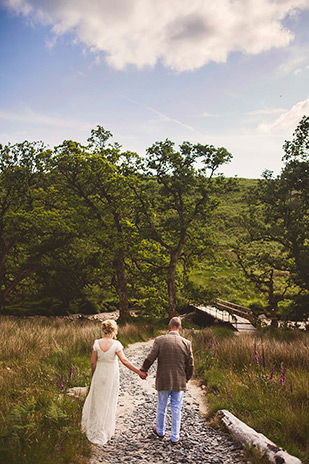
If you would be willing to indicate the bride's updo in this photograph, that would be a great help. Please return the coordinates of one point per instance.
(109, 327)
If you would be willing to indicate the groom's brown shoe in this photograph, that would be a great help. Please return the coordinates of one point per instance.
(154, 428)
(175, 442)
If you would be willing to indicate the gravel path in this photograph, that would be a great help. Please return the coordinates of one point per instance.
(134, 441)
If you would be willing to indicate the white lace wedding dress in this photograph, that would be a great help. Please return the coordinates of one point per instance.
(99, 411)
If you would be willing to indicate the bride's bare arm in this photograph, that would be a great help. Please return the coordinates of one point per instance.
(129, 365)
(94, 357)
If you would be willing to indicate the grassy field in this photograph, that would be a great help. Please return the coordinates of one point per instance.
(262, 378)
(39, 359)
(228, 283)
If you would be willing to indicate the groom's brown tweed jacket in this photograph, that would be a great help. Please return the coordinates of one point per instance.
(175, 361)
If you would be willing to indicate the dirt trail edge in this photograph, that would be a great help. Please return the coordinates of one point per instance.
(134, 441)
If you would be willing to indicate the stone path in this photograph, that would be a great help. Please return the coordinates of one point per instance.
(134, 441)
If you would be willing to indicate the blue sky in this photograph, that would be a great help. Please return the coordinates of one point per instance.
(220, 72)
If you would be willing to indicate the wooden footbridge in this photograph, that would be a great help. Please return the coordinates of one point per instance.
(240, 317)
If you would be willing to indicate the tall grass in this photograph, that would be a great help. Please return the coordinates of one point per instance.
(39, 423)
(39, 359)
(262, 378)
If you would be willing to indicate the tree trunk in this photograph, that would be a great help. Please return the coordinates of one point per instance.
(273, 305)
(273, 316)
(13, 284)
(122, 289)
(171, 287)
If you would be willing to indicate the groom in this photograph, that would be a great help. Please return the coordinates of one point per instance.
(175, 368)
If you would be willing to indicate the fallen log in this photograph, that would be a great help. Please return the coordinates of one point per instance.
(245, 435)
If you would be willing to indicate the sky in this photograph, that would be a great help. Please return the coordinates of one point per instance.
(231, 73)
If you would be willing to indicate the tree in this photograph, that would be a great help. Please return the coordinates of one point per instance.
(265, 265)
(98, 176)
(278, 218)
(67, 277)
(176, 200)
(33, 223)
(298, 148)
(285, 203)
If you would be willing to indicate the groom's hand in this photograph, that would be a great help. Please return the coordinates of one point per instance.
(143, 375)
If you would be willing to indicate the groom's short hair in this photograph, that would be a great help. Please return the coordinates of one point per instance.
(175, 323)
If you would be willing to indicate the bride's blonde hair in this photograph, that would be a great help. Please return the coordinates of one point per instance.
(109, 326)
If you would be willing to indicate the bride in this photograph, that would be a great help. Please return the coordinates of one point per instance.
(99, 411)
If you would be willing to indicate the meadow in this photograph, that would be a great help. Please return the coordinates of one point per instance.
(261, 378)
(39, 359)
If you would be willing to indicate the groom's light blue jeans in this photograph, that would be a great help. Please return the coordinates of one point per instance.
(176, 404)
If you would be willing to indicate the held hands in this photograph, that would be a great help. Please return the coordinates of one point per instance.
(143, 375)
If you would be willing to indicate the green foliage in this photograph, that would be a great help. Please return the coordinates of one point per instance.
(299, 147)
(253, 375)
(277, 222)
(39, 423)
(265, 223)
(84, 225)
(40, 358)
(100, 177)
(223, 279)
(177, 202)
(255, 455)
(42, 428)
(34, 220)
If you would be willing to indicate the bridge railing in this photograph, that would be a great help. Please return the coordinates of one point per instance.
(239, 310)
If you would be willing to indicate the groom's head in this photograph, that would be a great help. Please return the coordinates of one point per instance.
(175, 324)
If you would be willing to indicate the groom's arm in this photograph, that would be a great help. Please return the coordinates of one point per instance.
(151, 356)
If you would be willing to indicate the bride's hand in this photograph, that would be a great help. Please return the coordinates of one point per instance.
(143, 375)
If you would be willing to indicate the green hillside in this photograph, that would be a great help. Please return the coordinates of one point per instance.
(221, 274)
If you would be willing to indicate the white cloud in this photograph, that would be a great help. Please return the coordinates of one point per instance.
(266, 111)
(288, 121)
(184, 35)
(301, 70)
(294, 62)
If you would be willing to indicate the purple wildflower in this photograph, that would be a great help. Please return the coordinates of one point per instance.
(211, 344)
(271, 374)
(282, 376)
(256, 354)
(215, 353)
(291, 388)
(61, 382)
(71, 373)
(263, 359)
(228, 393)
(198, 360)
